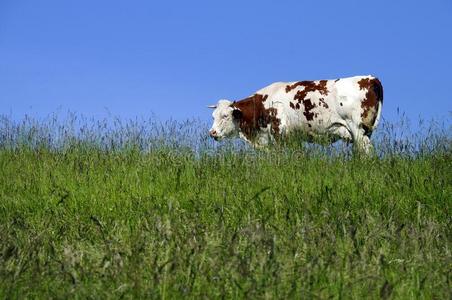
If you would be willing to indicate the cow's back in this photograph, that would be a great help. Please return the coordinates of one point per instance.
(315, 106)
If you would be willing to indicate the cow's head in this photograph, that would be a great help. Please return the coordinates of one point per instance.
(225, 120)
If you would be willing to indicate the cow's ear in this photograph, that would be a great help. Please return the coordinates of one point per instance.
(237, 114)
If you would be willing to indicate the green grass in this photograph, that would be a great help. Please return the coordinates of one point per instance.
(85, 221)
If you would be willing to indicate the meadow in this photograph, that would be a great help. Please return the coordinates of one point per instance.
(147, 209)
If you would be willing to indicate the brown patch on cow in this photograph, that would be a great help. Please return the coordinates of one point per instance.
(323, 103)
(364, 83)
(308, 106)
(371, 101)
(295, 85)
(308, 86)
(255, 116)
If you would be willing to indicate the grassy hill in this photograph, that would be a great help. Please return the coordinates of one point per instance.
(89, 212)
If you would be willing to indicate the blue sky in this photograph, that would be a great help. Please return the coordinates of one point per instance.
(172, 58)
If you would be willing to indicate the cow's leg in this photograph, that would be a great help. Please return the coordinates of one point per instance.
(361, 142)
(340, 131)
(364, 145)
(262, 140)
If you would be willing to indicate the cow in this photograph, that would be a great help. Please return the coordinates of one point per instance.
(345, 108)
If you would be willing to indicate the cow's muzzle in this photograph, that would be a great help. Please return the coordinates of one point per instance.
(213, 134)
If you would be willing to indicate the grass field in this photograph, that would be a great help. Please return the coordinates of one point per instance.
(92, 212)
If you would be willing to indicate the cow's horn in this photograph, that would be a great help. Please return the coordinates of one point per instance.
(212, 106)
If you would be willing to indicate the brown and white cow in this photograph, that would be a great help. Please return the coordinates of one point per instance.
(345, 108)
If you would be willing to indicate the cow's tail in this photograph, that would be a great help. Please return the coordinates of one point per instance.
(378, 90)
